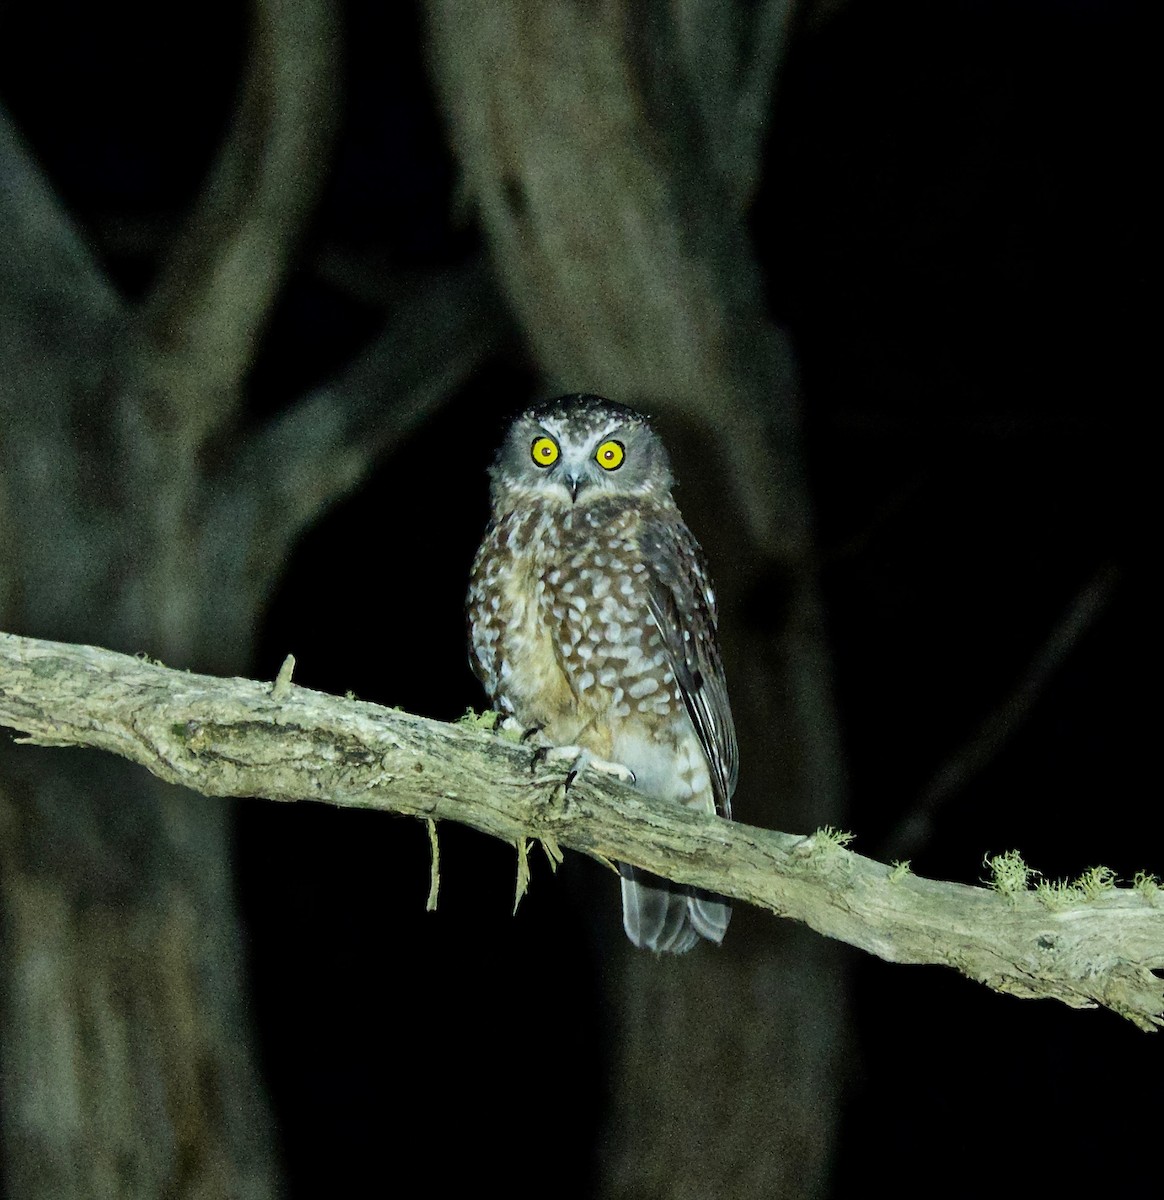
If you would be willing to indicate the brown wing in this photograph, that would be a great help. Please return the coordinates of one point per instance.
(484, 623)
(682, 606)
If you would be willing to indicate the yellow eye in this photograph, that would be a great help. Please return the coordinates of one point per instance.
(610, 455)
(544, 451)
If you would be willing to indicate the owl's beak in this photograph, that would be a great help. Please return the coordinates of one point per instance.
(574, 484)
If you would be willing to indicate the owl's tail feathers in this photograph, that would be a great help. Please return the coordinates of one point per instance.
(668, 917)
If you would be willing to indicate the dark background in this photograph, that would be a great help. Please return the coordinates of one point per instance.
(953, 225)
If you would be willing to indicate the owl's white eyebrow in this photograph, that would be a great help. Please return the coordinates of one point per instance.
(553, 427)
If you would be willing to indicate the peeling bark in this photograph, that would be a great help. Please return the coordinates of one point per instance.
(239, 737)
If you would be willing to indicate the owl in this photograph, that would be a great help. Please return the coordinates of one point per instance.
(592, 619)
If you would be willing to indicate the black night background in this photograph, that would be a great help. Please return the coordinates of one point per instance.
(952, 225)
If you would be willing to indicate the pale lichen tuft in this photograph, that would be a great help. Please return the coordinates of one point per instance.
(1057, 894)
(1009, 875)
(522, 871)
(552, 850)
(828, 838)
(1146, 884)
(434, 875)
(485, 721)
(1094, 882)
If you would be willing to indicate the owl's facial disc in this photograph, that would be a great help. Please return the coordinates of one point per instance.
(578, 449)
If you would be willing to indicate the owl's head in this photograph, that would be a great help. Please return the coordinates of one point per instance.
(578, 448)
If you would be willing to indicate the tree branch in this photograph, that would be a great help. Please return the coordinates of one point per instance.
(55, 301)
(1006, 718)
(63, 336)
(221, 276)
(731, 54)
(291, 469)
(235, 737)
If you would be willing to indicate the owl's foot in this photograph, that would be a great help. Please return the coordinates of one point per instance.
(510, 728)
(580, 760)
(513, 730)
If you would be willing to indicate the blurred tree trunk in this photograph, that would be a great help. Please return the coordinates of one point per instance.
(127, 1058)
(140, 510)
(611, 150)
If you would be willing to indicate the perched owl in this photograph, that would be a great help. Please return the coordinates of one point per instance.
(591, 618)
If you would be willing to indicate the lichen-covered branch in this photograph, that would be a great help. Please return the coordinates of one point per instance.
(235, 737)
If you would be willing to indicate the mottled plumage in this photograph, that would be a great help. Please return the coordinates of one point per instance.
(591, 617)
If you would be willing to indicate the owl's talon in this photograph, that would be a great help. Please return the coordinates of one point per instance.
(582, 760)
(621, 773)
(515, 731)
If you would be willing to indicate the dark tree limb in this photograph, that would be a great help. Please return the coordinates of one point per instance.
(1007, 717)
(63, 334)
(300, 462)
(215, 290)
(730, 53)
(54, 296)
(236, 737)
